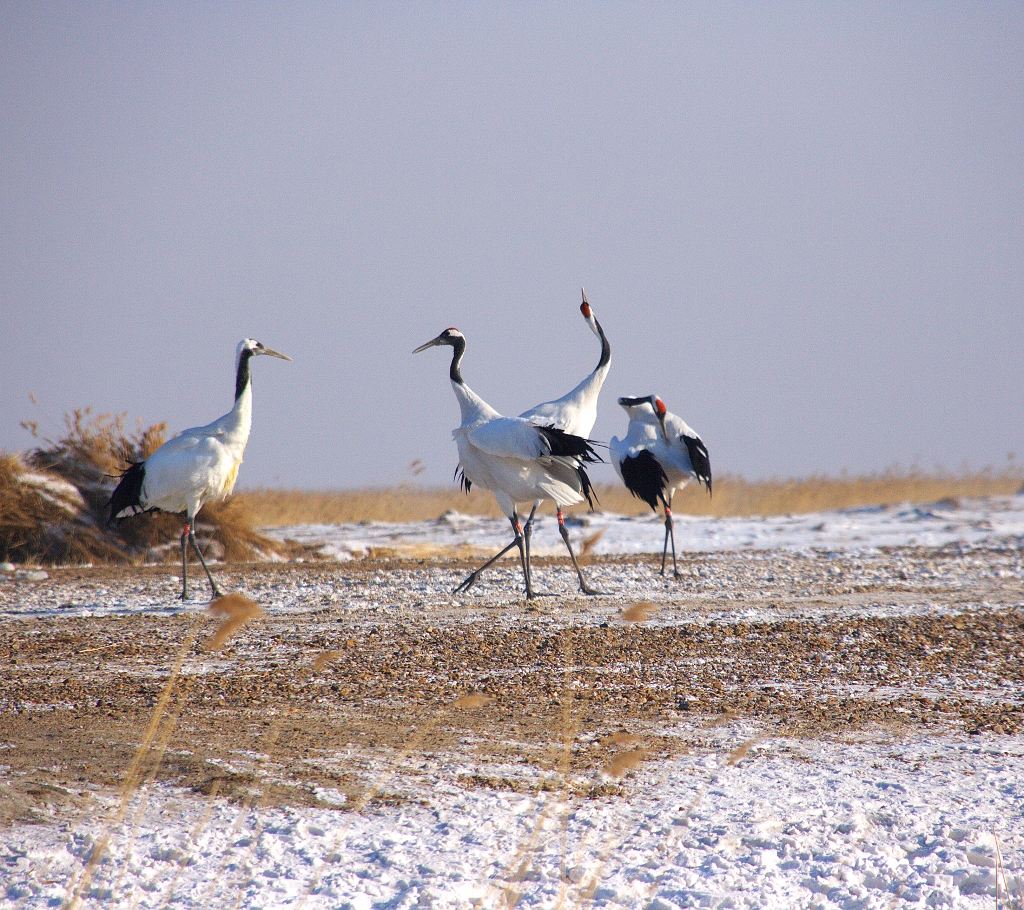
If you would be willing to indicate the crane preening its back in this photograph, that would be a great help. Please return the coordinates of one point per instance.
(659, 454)
(198, 465)
(575, 412)
(518, 461)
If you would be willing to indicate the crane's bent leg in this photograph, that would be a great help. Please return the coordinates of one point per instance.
(584, 587)
(195, 546)
(517, 541)
(184, 562)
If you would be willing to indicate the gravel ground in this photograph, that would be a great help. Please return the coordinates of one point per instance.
(360, 657)
(360, 682)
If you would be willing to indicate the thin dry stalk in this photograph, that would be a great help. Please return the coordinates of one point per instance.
(625, 761)
(194, 836)
(639, 612)
(154, 759)
(469, 702)
(271, 742)
(237, 611)
(77, 888)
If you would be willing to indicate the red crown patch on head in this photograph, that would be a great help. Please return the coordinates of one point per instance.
(660, 406)
(585, 309)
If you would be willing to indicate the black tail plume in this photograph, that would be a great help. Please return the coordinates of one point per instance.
(588, 487)
(464, 481)
(645, 478)
(560, 443)
(128, 492)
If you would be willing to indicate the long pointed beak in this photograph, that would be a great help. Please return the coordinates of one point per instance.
(428, 344)
(585, 305)
(272, 353)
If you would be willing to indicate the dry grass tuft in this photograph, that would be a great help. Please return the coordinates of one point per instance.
(625, 761)
(325, 659)
(622, 739)
(639, 612)
(734, 496)
(588, 544)
(54, 502)
(237, 611)
(45, 519)
(470, 702)
(740, 752)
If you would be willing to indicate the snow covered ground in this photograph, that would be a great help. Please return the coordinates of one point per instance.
(921, 817)
(970, 521)
(758, 823)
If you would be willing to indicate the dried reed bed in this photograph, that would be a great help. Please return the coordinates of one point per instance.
(734, 496)
(53, 501)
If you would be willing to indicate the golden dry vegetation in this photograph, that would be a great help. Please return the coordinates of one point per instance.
(54, 500)
(733, 496)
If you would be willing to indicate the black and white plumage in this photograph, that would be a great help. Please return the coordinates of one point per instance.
(197, 466)
(659, 454)
(575, 412)
(518, 461)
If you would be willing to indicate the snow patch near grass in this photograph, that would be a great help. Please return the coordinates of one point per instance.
(869, 822)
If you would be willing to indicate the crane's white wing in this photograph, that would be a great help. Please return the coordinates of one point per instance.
(509, 437)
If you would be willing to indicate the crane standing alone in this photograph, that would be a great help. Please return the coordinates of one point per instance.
(659, 454)
(198, 465)
(575, 412)
(518, 461)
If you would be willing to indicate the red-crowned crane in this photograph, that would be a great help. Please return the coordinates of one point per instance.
(198, 465)
(518, 461)
(575, 412)
(659, 455)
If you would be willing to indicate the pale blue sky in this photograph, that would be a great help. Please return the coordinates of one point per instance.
(800, 224)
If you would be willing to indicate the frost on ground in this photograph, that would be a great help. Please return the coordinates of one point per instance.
(836, 725)
(799, 823)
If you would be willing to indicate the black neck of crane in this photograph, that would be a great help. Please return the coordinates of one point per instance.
(458, 349)
(606, 349)
(243, 375)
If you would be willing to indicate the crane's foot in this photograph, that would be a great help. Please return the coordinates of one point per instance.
(467, 583)
(591, 592)
(533, 595)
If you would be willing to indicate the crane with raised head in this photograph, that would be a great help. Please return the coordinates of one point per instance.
(516, 459)
(575, 412)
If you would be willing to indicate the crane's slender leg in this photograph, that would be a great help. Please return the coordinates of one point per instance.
(669, 533)
(184, 562)
(584, 587)
(527, 534)
(517, 541)
(216, 592)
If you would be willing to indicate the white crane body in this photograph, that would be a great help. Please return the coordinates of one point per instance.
(574, 412)
(197, 466)
(516, 459)
(659, 454)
